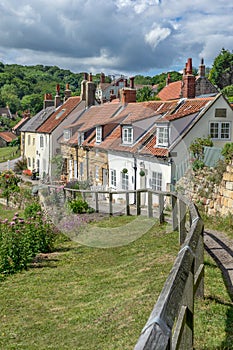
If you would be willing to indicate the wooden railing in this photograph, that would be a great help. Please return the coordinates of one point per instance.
(170, 325)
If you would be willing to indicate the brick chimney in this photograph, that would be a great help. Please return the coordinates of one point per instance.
(48, 101)
(131, 79)
(90, 93)
(57, 100)
(128, 95)
(201, 71)
(189, 81)
(168, 80)
(85, 76)
(67, 92)
(102, 78)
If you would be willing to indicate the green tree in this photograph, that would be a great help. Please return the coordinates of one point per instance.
(221, 74)
(144, 94)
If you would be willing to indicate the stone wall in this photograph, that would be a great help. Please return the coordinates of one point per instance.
(210, 188)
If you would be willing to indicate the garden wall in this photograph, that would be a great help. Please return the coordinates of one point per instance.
(210, 187)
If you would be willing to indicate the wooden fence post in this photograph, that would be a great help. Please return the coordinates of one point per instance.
(181, 221)
(150, 208)
(110, 204)
(161, 208)
(127, 203)
(174, 214)
(138, 203)
(96, 202)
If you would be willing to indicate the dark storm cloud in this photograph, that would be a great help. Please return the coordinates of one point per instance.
(113, 36)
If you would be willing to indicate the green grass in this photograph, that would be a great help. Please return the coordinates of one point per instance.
(214, 315)
(90, 298)
(9, 153)
(86, 298)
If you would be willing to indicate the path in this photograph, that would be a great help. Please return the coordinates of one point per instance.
(220, 248)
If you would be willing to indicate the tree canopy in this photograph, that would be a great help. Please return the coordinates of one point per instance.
(221, 73)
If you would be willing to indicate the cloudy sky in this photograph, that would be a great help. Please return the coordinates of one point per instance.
(114, 36)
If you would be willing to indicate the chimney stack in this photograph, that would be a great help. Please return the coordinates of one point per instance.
(131, 82)
(168, 80)
(90, 77)
(48, 101)
(102, 78)
(125, 83)
(201, 72)
(85, 76)
(57, 100)
(128, 95)
(67, 92)
(189, 81)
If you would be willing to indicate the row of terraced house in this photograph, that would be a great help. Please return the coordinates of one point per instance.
(122, 144)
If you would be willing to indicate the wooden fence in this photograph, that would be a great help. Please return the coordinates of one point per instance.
(170, 325)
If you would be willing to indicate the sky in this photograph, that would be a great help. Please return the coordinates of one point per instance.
(127, 37)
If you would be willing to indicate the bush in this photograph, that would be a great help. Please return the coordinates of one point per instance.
(77, 206)
(22, 238)
(227, 151)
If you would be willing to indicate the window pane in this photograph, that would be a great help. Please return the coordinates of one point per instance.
(214, 130)
(225, 131)
(156, 181)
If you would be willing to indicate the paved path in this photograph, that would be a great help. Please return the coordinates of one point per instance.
(220, 248)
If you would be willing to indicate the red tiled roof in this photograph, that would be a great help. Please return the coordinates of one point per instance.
(97, 115)
(7, 136)
(188, 107)
(150, 149)
(171, 91)
(59, 115)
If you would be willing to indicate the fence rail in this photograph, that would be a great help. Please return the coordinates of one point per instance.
(170, 325)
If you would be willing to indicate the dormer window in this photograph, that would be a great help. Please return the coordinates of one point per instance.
(98, 134)
(66, 135)
(127, 135)
(162, 136)
(81, 138)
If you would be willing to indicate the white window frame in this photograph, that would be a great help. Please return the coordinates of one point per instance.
(127, 135)
(220, 133)
(41, 141)
(66, 134)
(113, 177)
(162, 136)
(125, 181)
(156, 181)
(97, 172)
(98, 134)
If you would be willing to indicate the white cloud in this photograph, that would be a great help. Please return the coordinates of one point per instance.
(122, 36)
(156, 35)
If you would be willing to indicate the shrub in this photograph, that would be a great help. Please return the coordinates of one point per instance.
(227, 151)
(22, 238)
(77, 206)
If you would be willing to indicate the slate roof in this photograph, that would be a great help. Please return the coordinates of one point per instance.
(7, 136)
(38, 119)
(20, 123)
(59, 115)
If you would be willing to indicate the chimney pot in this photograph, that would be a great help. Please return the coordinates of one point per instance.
(189, 69)
(132, 82)
(102, 78)
(90, 77)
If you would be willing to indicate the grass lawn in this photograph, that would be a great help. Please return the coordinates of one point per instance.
(8, 153)
(94, 298)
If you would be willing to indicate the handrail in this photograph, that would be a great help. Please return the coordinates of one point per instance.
(170, 325)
